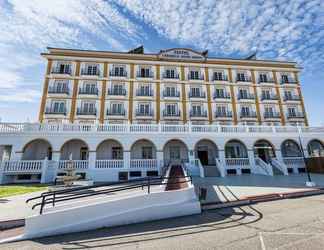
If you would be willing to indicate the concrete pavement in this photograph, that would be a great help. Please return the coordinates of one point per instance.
(286, 224)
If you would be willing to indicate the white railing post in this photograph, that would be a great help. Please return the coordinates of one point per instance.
(44, 170)
(92, 163)
(251, 159)
(160, 160)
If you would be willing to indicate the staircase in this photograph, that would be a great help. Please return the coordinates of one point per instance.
(211, 171)
(278, 167)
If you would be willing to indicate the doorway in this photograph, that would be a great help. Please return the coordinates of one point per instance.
(264, 150)
(203, 157)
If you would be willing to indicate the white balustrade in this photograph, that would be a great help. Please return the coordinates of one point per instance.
(77, 164)
(293, 161)
(237, 162)
(109, 163)
(22, 166)
(149, 128)
(144, 163)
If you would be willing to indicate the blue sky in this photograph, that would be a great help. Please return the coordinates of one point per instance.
(276, 29)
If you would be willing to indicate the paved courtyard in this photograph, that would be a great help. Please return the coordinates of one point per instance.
(232, 188)
(285, 224)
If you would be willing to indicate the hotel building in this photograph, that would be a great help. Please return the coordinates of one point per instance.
(120, 115)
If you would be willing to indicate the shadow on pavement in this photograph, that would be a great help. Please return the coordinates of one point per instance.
(211, 220)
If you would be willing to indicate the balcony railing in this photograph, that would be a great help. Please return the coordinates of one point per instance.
(176, 93)
(269, 115)
(144, 92)
(250, 114)
(82, 111)
(244, 79)
(226, 114)
(268, 80)
(295, 115)
(144, 75)
(225, 95)
(84, 91)
(170, 76)
(59, 70)
(220, 78)
(117, 91)
(288, 81)
(53, 128)
(197, 95)
(52, 111)
(292, 98)
(89, 72)
(171, 114)
(195, 77)
(247, 96)
(112, 112)
(203, 113)
(269, 97)
(56, 90)
(118, 74)
(143, 113)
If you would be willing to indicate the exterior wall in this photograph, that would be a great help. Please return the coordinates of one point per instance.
(157, 82)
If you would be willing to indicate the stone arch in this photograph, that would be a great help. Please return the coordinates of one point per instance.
(37, 149)
(290, 148)
(235, 148)
(207, 151)
(175, 150)
(315, 148)
(143, 149)
(109, 149)
(264, 149)
(78, 149)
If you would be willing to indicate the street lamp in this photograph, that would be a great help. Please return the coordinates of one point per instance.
(309, 182)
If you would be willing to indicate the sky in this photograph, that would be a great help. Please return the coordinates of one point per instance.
(276, 29)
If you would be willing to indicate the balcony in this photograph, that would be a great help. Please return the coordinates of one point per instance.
(85, 91)
(199, 77)
(197, 94)
(117, 91)
(112, 112)
(82, 111)
(90, 72)
(298, 115)
(202, 113)
(247, 96)
(288, 81)
(57, 90)
(269, 97)
(171, 114)
(292, 98)
(144, 92)
(114, 73)
(251, 114)
(175, 93)
(266, 80)
(219, 78)
(271, 115)
(149, 113)
(62, 70)
(145, 74)
(227, 114)
(224, 95)
(52, 111)
(170, 76)
(243, 79)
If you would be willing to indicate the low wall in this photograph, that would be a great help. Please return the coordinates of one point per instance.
(146, 207)
(315, 165)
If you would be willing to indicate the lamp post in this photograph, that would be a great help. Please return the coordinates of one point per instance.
(309, 182)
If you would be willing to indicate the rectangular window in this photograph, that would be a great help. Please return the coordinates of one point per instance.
(241, 77)
(117, 153)
(147, 153)
(221, 109)
(194, 75)
(197, 110)
(171, 109)
(245, 111)
(243, 93)
(170, 73)
(220, 93)
(292, 112)
(92, 69)
(218, 76)
(195, 92)
(266, 94)
(263, 77)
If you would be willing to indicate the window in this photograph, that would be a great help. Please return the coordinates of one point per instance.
(145, 90)
(241, 77)
(147, 153)
(117, 153)
(243, 93)
(220, 93)
(269, 111)
(175, 153)
(171, 109)
(119, 71)
(170, 73)
(88, 107)
(292, 112)
(284, 78)
(170, 91)
(263, 77)
(92, 69)
(195, 92)
(218, 76)
(245, 111)
(144, 108)
(145, 72)
(64, 68)
(197, 110)
(117, 108)
(194, 75)
(221, 110)
(90, 87)
(84, 153)
(266, 94)
(60, 86)
(58, 107)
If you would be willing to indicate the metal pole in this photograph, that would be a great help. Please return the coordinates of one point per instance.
(303, 154)
(148, 185)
